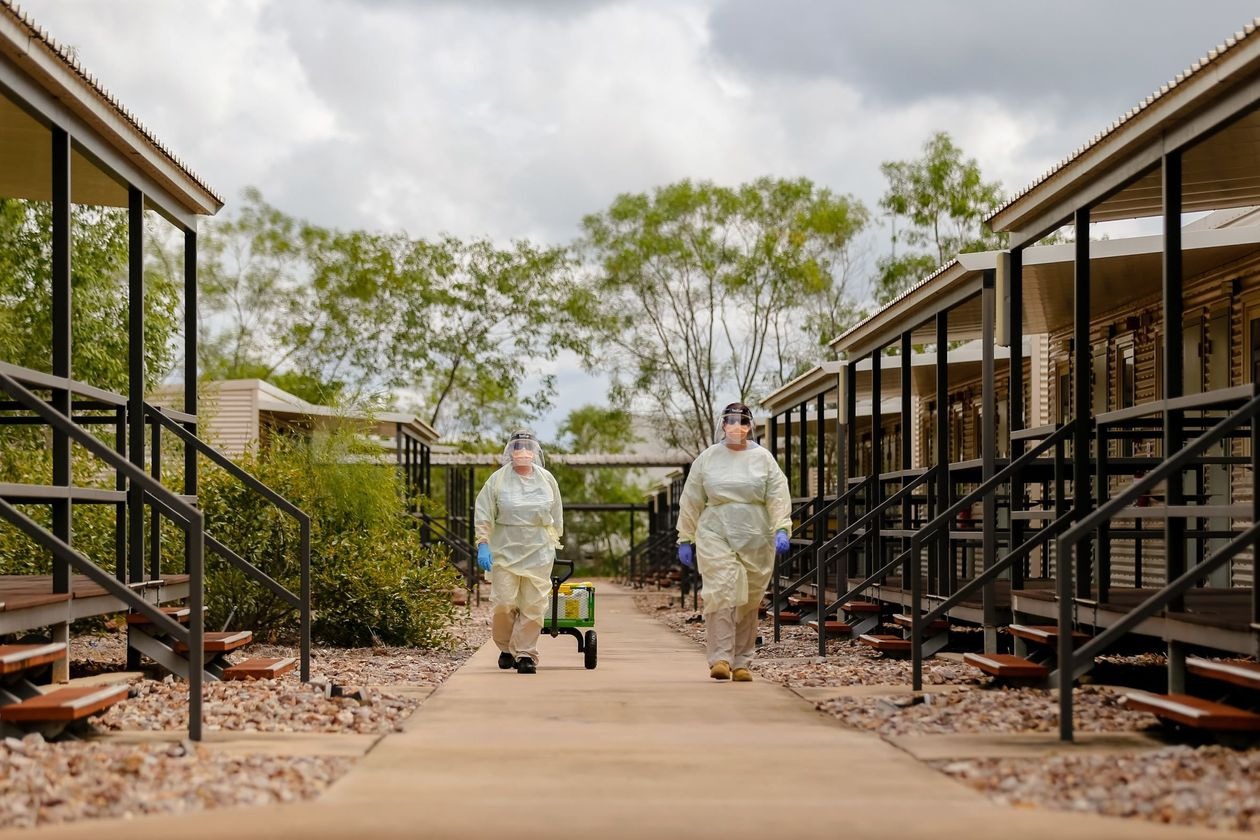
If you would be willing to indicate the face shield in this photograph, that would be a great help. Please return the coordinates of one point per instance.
(735, 425)
(522, 450)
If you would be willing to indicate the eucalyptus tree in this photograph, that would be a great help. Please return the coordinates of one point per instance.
(477, 326)
(708, 293)
(943, 199)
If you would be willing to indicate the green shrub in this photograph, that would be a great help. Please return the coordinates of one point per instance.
(372, 581)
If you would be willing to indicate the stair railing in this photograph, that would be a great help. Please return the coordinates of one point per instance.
(915, 552)
(300, 601)
(188, 518)
(1073, 663)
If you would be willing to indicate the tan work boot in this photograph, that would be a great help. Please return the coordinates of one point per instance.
(742, 675)
(721, 670)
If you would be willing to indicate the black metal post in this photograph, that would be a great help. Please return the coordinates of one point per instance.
(61, 346)
(945, 556)
(1015, 399)
(988, 446)
(1174, 386)
(135, 379)
(1082, 408)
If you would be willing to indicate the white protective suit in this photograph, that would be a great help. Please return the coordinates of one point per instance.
(522, 519)
(732, 504)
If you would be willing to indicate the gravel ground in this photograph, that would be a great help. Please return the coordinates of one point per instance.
(51, 782)
(1213, 787)
(1209, 786)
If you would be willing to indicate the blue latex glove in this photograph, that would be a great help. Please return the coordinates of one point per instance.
(781, 544)
(687, 555)
(483, 557)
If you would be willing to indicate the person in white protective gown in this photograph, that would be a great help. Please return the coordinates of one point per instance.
(519, 519)
(735, 513)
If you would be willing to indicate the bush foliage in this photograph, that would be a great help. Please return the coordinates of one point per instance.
(372, 581)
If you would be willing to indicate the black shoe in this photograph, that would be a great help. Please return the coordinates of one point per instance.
(506, 660)
(525, 665)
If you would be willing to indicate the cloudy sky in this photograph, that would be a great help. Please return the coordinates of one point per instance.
(513, 118)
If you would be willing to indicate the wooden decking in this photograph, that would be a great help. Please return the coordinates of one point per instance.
(28, 601)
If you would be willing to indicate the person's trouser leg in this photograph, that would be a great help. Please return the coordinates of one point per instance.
(719, 635)
(532, 596)
(504, 587)
(745, 634)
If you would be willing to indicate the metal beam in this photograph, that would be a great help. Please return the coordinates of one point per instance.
(1082, 407)
(988, 451)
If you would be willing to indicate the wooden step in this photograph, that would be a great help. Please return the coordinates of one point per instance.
(261, 668)
(17, 658)
(221, 642)
(940, 625)
(860, 607)
(1193, 711)
(885, 644)
(799, 601)
(65, 704)
(1045, 634)
(1006, 666)
(1246, 674)
(789, 617)
(834, 628)
(180, 614)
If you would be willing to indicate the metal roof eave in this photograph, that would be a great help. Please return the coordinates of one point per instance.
(50, 65)
(1190, 107)
(817, 380)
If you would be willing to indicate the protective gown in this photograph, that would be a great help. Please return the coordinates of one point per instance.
(522, 519)
(732, 504)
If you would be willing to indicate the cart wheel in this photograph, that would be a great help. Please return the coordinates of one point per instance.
(590, 649)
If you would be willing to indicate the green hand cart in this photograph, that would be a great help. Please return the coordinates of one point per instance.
(572, 608)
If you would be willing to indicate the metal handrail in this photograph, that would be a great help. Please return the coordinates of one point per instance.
(844, 497)
(1070, 660)
(301, 601)
(188, 517)
(943, 519)
(875, 512)
(999, 478)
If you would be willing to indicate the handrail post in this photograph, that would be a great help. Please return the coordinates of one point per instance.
(820, 583)
(1067, 663)
(197, 621)
(304, 615)
(916, 614)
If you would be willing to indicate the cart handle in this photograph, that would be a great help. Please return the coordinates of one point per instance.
(556, 580)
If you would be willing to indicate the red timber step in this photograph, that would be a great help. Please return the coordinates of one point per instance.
(15, 659)
(885, 644)
(834, 628)
(799, 601)
(860, 607)
(65, 704)
(261, 668)
(940, 625)
(1193, 712)
(1246, 674)
(789, 617)
(221, 642)
(1045, 634)
(180, 614)
(1006, 666)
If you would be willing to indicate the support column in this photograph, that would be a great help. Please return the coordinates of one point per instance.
(875, 555)
(1174, 386)
(1015, 399)
(1082, 406)
(945, 555)
(60, 398)
(907, 419)
(988, 454)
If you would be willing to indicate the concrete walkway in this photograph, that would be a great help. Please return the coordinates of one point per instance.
(644, 746)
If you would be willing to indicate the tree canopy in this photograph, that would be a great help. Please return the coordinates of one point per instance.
(703, 290)
(943, 200)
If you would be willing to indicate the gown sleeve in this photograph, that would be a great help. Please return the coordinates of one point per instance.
(778, 498)
(485, 511)
(691, 505)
